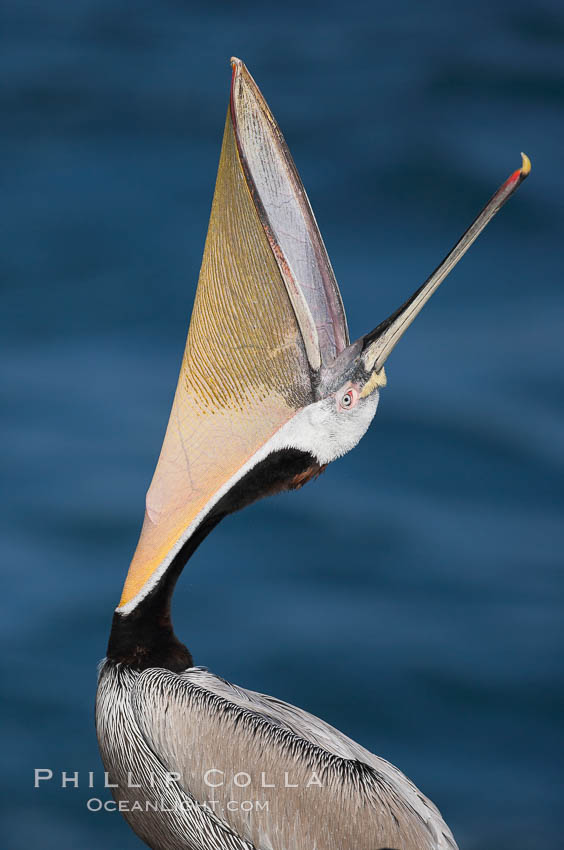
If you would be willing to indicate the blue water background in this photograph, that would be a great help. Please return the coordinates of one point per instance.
(413, 595)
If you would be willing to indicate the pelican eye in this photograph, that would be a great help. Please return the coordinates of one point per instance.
(347, 399)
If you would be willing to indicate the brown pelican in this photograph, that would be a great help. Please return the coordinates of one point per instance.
(270, 392)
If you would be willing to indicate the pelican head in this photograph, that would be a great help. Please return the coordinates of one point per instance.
(271, 389)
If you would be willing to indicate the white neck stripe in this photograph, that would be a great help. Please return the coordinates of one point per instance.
(317, 429)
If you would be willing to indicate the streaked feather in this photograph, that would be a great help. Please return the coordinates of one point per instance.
(346, 797)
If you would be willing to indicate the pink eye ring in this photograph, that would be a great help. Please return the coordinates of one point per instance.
(348, 399)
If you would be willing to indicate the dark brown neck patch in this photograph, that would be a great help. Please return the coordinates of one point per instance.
(145, 637)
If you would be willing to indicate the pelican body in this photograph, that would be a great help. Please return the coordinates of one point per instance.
(270, 391)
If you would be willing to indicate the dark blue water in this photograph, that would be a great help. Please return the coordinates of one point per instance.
(413, 595)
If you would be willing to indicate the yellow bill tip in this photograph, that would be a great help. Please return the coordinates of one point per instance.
(525, 164)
